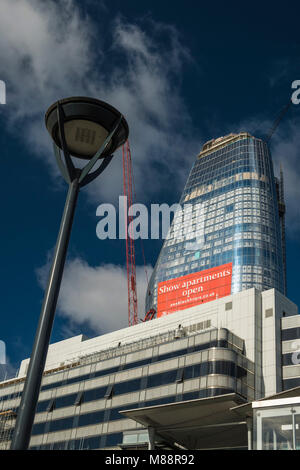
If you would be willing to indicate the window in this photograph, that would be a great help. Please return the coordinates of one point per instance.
(91, 418)
(95, 394)
(191, 396)
(79, 399)
(61, 424)
(180, 375)
(113, 439)
(287, 359)
(291, 383)
(52, 385)
(58, 446)
(51, 405)
(42, 406)
(38, 428)
(91, 442)
(67, 400)
(109, 391)
(100, 373)
(291, 333)
(192, 371)
(127, 387)
(140, 363)
(269, 313)
(162, 378)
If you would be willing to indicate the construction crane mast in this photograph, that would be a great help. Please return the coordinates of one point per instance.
(277, 121)
(280, 191)
(130, 248)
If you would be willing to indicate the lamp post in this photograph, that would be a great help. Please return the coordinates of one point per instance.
(89, 129)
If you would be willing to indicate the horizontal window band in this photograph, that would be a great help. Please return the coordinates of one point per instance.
(226, 368)
(97, 417)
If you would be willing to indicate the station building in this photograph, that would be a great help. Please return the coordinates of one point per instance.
(170, 383)
(219, 368)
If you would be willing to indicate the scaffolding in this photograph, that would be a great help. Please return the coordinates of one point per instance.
(7, 425)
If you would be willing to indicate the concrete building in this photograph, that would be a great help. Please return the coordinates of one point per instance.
(208, 372)
(168, 383)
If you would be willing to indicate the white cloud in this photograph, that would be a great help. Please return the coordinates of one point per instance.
(96, 295)
(51, 50)
(7, 370)
(48, 51)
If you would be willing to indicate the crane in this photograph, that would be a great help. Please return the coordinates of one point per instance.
(280, 189)
(128, 187)
(130, 248)
(277, 121)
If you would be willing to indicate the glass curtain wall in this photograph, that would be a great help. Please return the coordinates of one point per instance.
(229, 215)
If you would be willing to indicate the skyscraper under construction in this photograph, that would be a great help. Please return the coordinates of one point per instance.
(234, 220)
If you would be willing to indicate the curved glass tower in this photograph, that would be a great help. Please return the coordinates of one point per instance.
(230, 217)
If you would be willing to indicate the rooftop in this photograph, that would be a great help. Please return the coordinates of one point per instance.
(216, 144)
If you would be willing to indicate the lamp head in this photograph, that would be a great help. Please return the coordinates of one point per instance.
(87, 122)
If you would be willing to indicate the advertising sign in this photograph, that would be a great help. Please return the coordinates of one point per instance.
(193, 289)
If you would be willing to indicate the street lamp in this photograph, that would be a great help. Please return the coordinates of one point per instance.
(88, 129)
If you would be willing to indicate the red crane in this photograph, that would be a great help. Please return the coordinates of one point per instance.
(130, 249)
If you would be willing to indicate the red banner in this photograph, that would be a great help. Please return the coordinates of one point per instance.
(193, 289)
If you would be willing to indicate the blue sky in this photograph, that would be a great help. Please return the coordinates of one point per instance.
(181, 74)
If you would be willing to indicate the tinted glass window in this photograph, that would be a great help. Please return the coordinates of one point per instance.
(94, 394)
(91, 418)
(38, 428)
(52, 385)
(42, 406)
(291, 333)
(45, 447)
(240, 372)
(79, 378)
(161, 379)
(171, 354)
(100, 373)
(126, 387)
(212, 392)
(222, 367)
(59, 445)
(291, 383)
(162, 357)
(192, 371)
(61, 424)
(115, 412)
(74, 444)
(91, 442)
(67, 400)
(191, 395)
(287, 359)
(113, 439)
(131, 365)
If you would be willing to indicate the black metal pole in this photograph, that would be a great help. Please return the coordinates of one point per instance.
(26, 413)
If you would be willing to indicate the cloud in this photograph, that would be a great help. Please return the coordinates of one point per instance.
(48, 52)
(7, 370)
(96, 295)
(53, 49)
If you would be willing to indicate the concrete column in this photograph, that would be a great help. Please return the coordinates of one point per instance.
(274, 440)
(249, 422)
(151, 434)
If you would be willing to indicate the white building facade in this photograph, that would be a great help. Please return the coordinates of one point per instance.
(240, 347)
